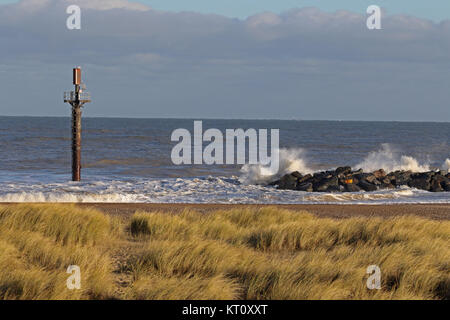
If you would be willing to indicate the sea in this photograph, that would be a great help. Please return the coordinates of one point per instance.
(129, 161)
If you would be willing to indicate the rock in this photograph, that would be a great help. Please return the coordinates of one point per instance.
(436, 186)
(386, 180)
(366, 186)
(343, 170)
(297, 174)
(355, 180)
(327, 184)
(420, 183)
(288, 182)
(349, 179)
(359, 171)
(308, 187)
(334, 188)
(344, 180)
(400, 178)
(304, 179)
(361, 176)
(379, 174)
(352, 188)
(439, 183)
(446, 186)
(372, 179)
(442, 173)
(423, 175)
(274, 183)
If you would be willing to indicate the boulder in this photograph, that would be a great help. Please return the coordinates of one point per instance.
(288, 182)
(366, 186)
(327, 184)
(439, 183)
(379, 174)
(304, 179)
(386, 180)
(343, 170)
(297, 174)
(446, 186)
(372, 179)
(351, 187)
(334, 188)
(307, 187)
(423, 175)
(387, 186)
(435, 186)
(420, 183)
(400, 178)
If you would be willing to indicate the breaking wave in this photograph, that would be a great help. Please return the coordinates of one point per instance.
(199, 190)
(290, 160)
(388, 159)
(446, 165)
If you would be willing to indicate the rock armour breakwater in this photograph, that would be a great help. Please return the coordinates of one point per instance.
(344, 179)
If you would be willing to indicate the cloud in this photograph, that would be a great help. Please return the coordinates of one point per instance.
(284, 62)
(123, 28)
(109, 4)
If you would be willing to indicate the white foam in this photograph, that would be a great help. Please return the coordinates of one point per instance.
(446, 165)
(388, 159)
(290, 160)
(199, 190)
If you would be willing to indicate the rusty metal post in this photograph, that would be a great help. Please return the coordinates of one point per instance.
(76, 143)
(76, 99)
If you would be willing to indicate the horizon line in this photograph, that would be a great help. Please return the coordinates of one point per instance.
(213, 118)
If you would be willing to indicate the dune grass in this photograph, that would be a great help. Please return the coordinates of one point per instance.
(278, 254)
(264, 253)
(39, 242)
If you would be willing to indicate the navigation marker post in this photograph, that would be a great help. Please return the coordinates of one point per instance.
(77, 99)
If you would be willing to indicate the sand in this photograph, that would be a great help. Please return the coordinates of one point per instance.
(431, 211)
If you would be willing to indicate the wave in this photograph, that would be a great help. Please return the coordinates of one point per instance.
(391, 160)
(382, 196)
(446, 165)
(290, 160)
(63, 197)
(198, 190)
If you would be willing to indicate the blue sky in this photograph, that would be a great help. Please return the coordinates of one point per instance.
(436, 10)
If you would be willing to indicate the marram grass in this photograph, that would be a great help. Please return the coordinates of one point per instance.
(264, 253)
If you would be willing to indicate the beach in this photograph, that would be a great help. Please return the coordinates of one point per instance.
(429, 211)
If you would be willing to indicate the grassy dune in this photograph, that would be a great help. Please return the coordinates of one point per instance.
(266, 253)
(38, 243)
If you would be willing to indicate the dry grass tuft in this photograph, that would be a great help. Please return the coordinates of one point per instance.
(39, 242)
(264, 253)
(278, 254)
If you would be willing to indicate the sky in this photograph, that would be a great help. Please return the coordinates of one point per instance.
(436, 10)
(229, 59)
